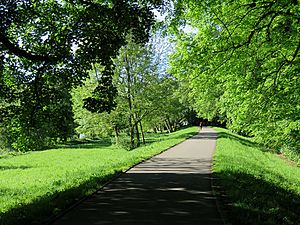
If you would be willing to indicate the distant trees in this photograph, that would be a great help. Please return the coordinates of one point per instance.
(241, 63)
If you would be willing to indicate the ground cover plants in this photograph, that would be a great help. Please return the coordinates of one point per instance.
(36, 185)
(261, 187)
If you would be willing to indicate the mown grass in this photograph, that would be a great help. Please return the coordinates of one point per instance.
(260, 187)
(37, 185)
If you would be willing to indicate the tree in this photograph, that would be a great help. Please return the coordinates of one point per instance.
(135, 74)
(170, 108)
(94, 124)
(91, 125)
(241, 62)
(49, 47)
(149, 93)
(148, 96)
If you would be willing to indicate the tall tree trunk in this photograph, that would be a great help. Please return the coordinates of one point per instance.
(129, 98)
(131, 135)
(142, 131)
(168, 127)
(116, 135)
(137, 134)
(170, 124)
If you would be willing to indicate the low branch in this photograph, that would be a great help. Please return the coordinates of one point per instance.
(22, 53)
(295, 53)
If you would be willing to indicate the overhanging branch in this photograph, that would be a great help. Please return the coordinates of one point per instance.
(22, 53)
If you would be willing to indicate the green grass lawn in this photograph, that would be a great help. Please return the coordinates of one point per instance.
(36, 185)
(261, 188)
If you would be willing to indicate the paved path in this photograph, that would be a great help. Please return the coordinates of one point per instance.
(171, 188)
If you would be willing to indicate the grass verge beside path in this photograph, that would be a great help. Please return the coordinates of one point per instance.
(36, 185)
(261, 188)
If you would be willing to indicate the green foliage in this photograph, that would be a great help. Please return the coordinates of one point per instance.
(48, 47)
(38, 119)
(92, 125)
(147, 97)
(241, 63)
(261, 187)
(36, 185)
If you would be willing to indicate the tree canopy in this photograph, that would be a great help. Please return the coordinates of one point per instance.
(148, 97)
(47, 47)
(237, 62)
(241, 63)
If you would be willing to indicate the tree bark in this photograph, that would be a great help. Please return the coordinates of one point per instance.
(155, 130)
(142, 132)
(116, 135)
(168, 126)
(129, 104)
(137, 134)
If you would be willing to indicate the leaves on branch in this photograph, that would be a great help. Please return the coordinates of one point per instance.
(48, 47)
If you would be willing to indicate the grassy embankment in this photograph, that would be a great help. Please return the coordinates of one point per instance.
(261, 187)
(36, 185)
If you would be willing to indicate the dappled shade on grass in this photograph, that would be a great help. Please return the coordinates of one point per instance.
(42, 209)
(260, 188)
(87, 144)
(256, 201)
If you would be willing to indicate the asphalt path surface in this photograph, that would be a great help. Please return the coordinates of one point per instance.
(171, 188)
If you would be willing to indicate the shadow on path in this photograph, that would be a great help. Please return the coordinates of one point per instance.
(171, 188)
(206, 135)
(150, 198)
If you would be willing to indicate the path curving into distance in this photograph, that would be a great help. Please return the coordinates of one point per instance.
(171, 188)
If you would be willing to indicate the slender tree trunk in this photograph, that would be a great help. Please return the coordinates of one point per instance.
(137, 134)
(175, 125)
(131, 127)
(168, 127)
(142, 131)
(116, 135)
(131, 136)
(129, 98)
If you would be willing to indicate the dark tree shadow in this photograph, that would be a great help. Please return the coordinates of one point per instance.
(161, 137)
(87, 144)
(172, 192)
(256, 201)
(206, 135)
(43, 209)
(14, 167)
(150, 199)
(239, 139)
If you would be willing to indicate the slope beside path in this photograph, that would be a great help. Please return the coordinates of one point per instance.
(171, 188)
